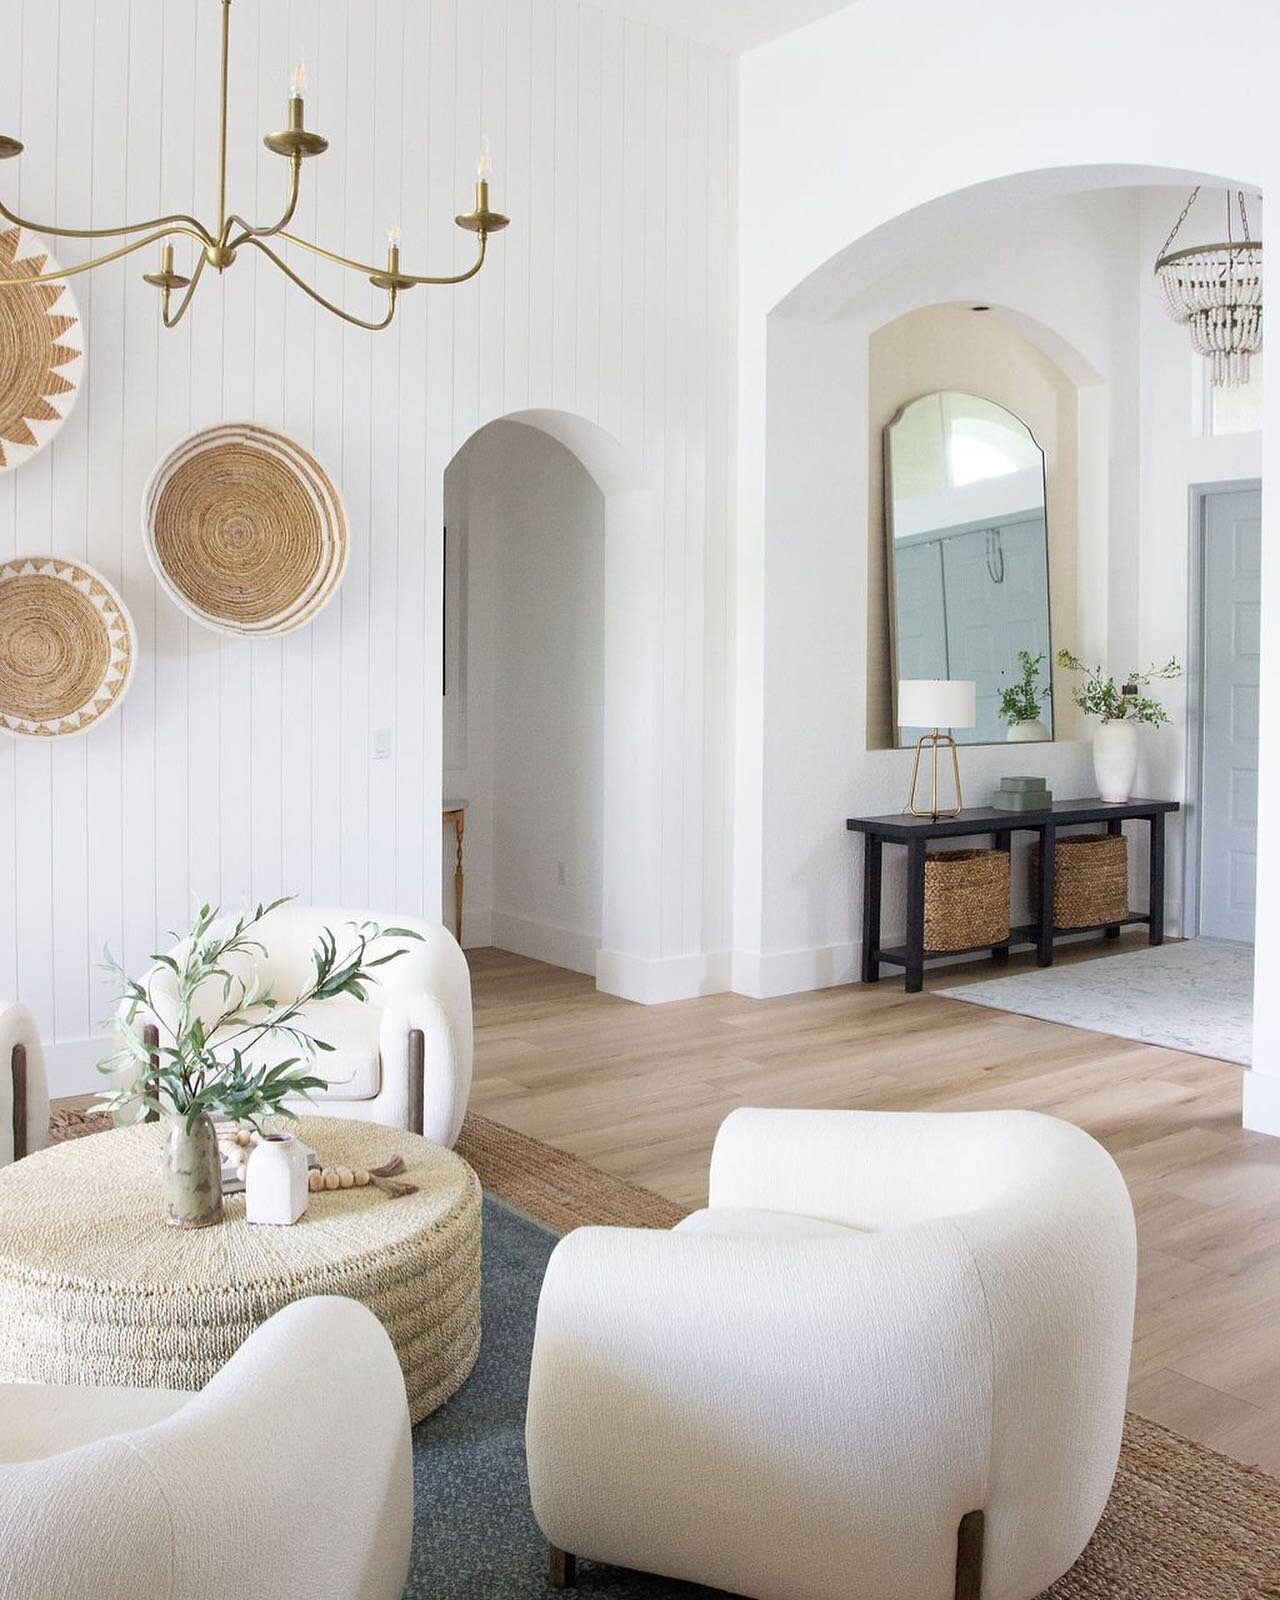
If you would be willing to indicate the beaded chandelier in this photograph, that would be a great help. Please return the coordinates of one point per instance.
(1216, 291)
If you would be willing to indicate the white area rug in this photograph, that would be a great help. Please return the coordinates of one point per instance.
(1196, 996)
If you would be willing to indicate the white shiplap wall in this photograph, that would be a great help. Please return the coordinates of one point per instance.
(236, 769)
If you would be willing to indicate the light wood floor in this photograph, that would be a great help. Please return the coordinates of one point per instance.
(641, 1090)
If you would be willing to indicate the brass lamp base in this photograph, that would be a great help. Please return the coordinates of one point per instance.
(935, 740)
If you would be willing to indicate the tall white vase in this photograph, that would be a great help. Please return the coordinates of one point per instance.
(1115, 759)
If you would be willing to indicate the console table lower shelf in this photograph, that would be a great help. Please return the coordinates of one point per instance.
(915, 835)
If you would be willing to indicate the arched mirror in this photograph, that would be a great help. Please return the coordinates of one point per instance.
(968, 556)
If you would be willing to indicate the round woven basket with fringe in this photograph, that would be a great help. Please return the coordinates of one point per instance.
(41, 349)
(246, 531)
(67, 647)
(1091, 881)
(966, 899)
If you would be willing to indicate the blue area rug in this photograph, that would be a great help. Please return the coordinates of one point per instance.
(474, 1533)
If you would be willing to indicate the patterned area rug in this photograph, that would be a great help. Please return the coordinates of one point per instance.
(1195, 996)
(1183, 1523)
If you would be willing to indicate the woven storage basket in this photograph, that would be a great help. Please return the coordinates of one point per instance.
(1091, 880)
(966, 899)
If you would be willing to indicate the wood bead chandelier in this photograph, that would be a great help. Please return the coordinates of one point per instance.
(1215, 290)
(219, 247)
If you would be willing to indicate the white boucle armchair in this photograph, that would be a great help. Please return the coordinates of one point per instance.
(887, 1362)
(287, 1477)
(403, 1057)
(24, 1091)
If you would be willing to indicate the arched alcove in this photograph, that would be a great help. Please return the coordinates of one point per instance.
(624, 819)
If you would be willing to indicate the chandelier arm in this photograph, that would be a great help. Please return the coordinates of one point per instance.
(176, 318)
(407, 278)
(98, 261)
(178, 223)
(248, 231)
(356, 322)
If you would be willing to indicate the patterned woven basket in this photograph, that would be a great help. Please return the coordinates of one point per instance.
(966, 899)
(1091, 880)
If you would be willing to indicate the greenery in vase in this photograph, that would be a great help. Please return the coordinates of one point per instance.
(1021, 701)
(1102, 697)
(205, 1063)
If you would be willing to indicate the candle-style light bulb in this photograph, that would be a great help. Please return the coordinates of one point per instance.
(298, 78)
(393, 236)
(484, 166)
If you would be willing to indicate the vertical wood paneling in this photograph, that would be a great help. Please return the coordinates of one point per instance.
(242, 769)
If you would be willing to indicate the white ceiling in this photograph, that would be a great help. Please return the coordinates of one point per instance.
(727, 24)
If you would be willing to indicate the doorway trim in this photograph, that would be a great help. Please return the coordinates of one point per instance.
(1199, 495)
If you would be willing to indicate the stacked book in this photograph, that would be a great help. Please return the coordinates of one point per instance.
(1022, 794)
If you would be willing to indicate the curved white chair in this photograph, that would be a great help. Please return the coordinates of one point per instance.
(24, 1092)
(887, 1362)
(403, 1057)
(287, 1477)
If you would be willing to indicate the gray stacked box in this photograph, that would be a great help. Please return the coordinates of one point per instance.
(1022, 794)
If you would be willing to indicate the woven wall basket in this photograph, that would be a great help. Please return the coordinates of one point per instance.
(1091, 880)
(67, 647)
(245, 530)
(41, 350)
(966, 899)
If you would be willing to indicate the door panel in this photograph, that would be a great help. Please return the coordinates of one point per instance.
(1232, 550)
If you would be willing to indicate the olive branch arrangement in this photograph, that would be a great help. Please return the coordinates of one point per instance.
(1102, 697)
(191, 1072)
(1020, 702)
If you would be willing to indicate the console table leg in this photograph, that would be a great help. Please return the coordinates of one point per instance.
(1044, 915)
(1155, 909)
(1003, 841)
(915, 916)
(873, 851)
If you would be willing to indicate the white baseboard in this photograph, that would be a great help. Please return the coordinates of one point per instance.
(543, 941)
(765, 976)
(1262, 1102)
(653, 983)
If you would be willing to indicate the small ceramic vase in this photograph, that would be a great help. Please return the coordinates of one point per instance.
(192, 1173)
(1031, 731)
(275, 1180)
(1115, 760)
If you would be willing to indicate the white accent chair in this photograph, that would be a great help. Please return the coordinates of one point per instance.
(24, 1092)
(287, 1477)
(888, 1361)
(403, 1057)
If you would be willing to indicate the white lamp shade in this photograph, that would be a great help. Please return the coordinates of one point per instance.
(937, 703)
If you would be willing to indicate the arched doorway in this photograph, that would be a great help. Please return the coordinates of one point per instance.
(552, 629)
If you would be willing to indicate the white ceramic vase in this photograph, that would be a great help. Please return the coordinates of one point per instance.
(1115, 760)
(1030, 731)
(275, 1180)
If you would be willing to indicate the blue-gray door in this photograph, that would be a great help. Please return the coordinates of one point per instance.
(1232, 533)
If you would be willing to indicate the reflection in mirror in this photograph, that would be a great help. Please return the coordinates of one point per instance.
(968, 554)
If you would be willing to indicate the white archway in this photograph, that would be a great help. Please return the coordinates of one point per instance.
(631, 876)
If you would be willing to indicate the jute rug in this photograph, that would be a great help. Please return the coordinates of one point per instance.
(1183, 1523)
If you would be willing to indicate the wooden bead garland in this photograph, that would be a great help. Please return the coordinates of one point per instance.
(236, 1145)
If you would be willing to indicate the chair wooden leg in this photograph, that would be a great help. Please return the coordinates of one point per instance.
(151, 1038)
(18, 1067)
(969, 1540)
(417, 1072)
(562, 1567)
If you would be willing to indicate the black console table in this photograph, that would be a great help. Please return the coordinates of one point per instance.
(915, 833)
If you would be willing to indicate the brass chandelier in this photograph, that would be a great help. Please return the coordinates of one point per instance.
(218, 247)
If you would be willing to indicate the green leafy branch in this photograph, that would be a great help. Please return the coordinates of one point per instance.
(1100, 696)
(1020, 702)
(206, 1066)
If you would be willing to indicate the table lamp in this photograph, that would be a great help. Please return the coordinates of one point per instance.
(936, 703)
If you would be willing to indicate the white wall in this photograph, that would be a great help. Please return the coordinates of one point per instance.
(1005, 129)
(244, 769)
(534, 529)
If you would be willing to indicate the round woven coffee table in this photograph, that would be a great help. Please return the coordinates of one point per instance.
(96, 1289)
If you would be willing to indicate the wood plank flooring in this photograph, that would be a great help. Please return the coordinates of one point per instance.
(641, 1090)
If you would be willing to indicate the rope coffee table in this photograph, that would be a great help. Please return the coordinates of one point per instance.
(95, 1288)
